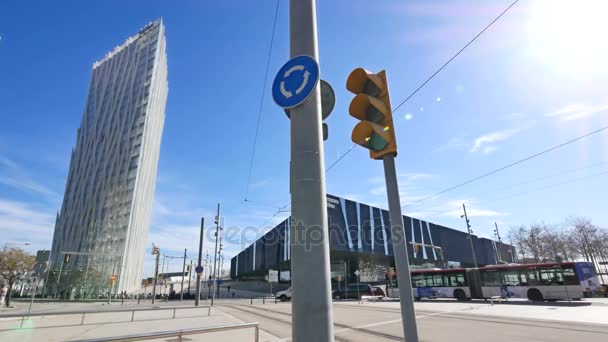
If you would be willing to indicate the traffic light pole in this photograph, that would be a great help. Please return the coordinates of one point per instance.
(312, 320)
(200, 257)
(408, 315)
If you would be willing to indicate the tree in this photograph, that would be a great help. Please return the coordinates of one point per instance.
(14, 263)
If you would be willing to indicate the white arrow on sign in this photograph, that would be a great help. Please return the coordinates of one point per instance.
(286, 92)
(299, 90)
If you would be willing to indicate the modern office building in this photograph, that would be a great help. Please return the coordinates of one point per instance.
(105, 216)
(360, 239)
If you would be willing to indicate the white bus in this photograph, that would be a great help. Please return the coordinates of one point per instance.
(537, 282)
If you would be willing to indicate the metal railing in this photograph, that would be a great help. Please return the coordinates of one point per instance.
(84, 313)
(179, 333)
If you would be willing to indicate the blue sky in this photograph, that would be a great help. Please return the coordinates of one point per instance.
(532, 81)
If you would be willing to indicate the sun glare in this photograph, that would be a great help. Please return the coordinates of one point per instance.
(570, 36)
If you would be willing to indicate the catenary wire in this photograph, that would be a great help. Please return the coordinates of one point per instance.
(257, 127)
(507, 166)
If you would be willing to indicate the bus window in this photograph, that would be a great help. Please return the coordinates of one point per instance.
(435, 280)
(530, 277)
(491, 278)
(511, 278)
(418, 280)
(551, 276)
(569, 277)
(455, 279)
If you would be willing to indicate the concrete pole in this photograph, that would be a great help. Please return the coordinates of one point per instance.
(181, 294)
(408, 315)
(312, 319)
(466, 218)
(200, 257)
(155, 277)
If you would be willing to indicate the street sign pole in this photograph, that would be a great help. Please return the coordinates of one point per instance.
(408, 315)
(200, 257)
(312, 319)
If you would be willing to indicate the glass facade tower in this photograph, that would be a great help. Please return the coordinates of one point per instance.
(106, 211)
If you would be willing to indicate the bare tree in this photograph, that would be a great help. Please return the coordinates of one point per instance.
(517, 236)
(14, 263)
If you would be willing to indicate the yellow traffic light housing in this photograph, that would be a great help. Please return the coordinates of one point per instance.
(372, 106)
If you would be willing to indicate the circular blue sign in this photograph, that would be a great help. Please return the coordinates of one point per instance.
(295, 81)
(199, 269)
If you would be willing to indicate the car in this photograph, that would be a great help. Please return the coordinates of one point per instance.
(378, 291)
(353, 291)
(284, 296)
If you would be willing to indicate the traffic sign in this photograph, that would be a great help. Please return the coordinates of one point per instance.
(273, 276)
(328, 100)
(295, 81)
(357, 272)
(199, 269)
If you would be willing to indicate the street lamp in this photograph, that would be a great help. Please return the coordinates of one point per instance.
(15, 244)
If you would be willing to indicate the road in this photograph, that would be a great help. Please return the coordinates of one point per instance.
(380, 321)
(443, 322)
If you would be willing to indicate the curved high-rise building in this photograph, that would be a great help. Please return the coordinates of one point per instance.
(105, 216)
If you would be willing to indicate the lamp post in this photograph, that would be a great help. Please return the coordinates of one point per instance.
(15, 244)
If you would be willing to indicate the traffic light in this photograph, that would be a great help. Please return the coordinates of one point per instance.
(416, 247)
(66, 258)
(372, 106)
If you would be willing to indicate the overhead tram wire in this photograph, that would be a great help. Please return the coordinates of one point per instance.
(402, 102)
(257, 127)
(456, 55)
(507, 166)
(440, 69)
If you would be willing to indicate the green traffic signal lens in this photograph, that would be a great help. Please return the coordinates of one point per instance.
(377, 142)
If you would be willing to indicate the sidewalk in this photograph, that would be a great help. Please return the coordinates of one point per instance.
(67, 327)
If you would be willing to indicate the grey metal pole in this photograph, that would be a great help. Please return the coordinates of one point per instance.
(217, 233)
(162, 271)
(312, 319)
(189, 276)
(46, 277)
(200, 257)
(155, 277)
(59, 277)
(181, 294)
(33, 295)
(466, 218)
(408, 315)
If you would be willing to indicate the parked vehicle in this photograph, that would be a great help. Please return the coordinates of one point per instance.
(353, 291)
(378, 291)
(284, 296)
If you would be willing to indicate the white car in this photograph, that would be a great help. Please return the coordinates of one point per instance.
(284, 296)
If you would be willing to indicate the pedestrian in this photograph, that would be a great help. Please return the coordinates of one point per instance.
(228, 288)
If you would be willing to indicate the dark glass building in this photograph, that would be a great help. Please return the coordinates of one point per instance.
(360, 239)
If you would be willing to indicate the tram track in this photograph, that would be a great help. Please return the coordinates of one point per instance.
(343, 327)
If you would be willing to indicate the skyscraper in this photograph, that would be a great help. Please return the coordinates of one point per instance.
(107, 206)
